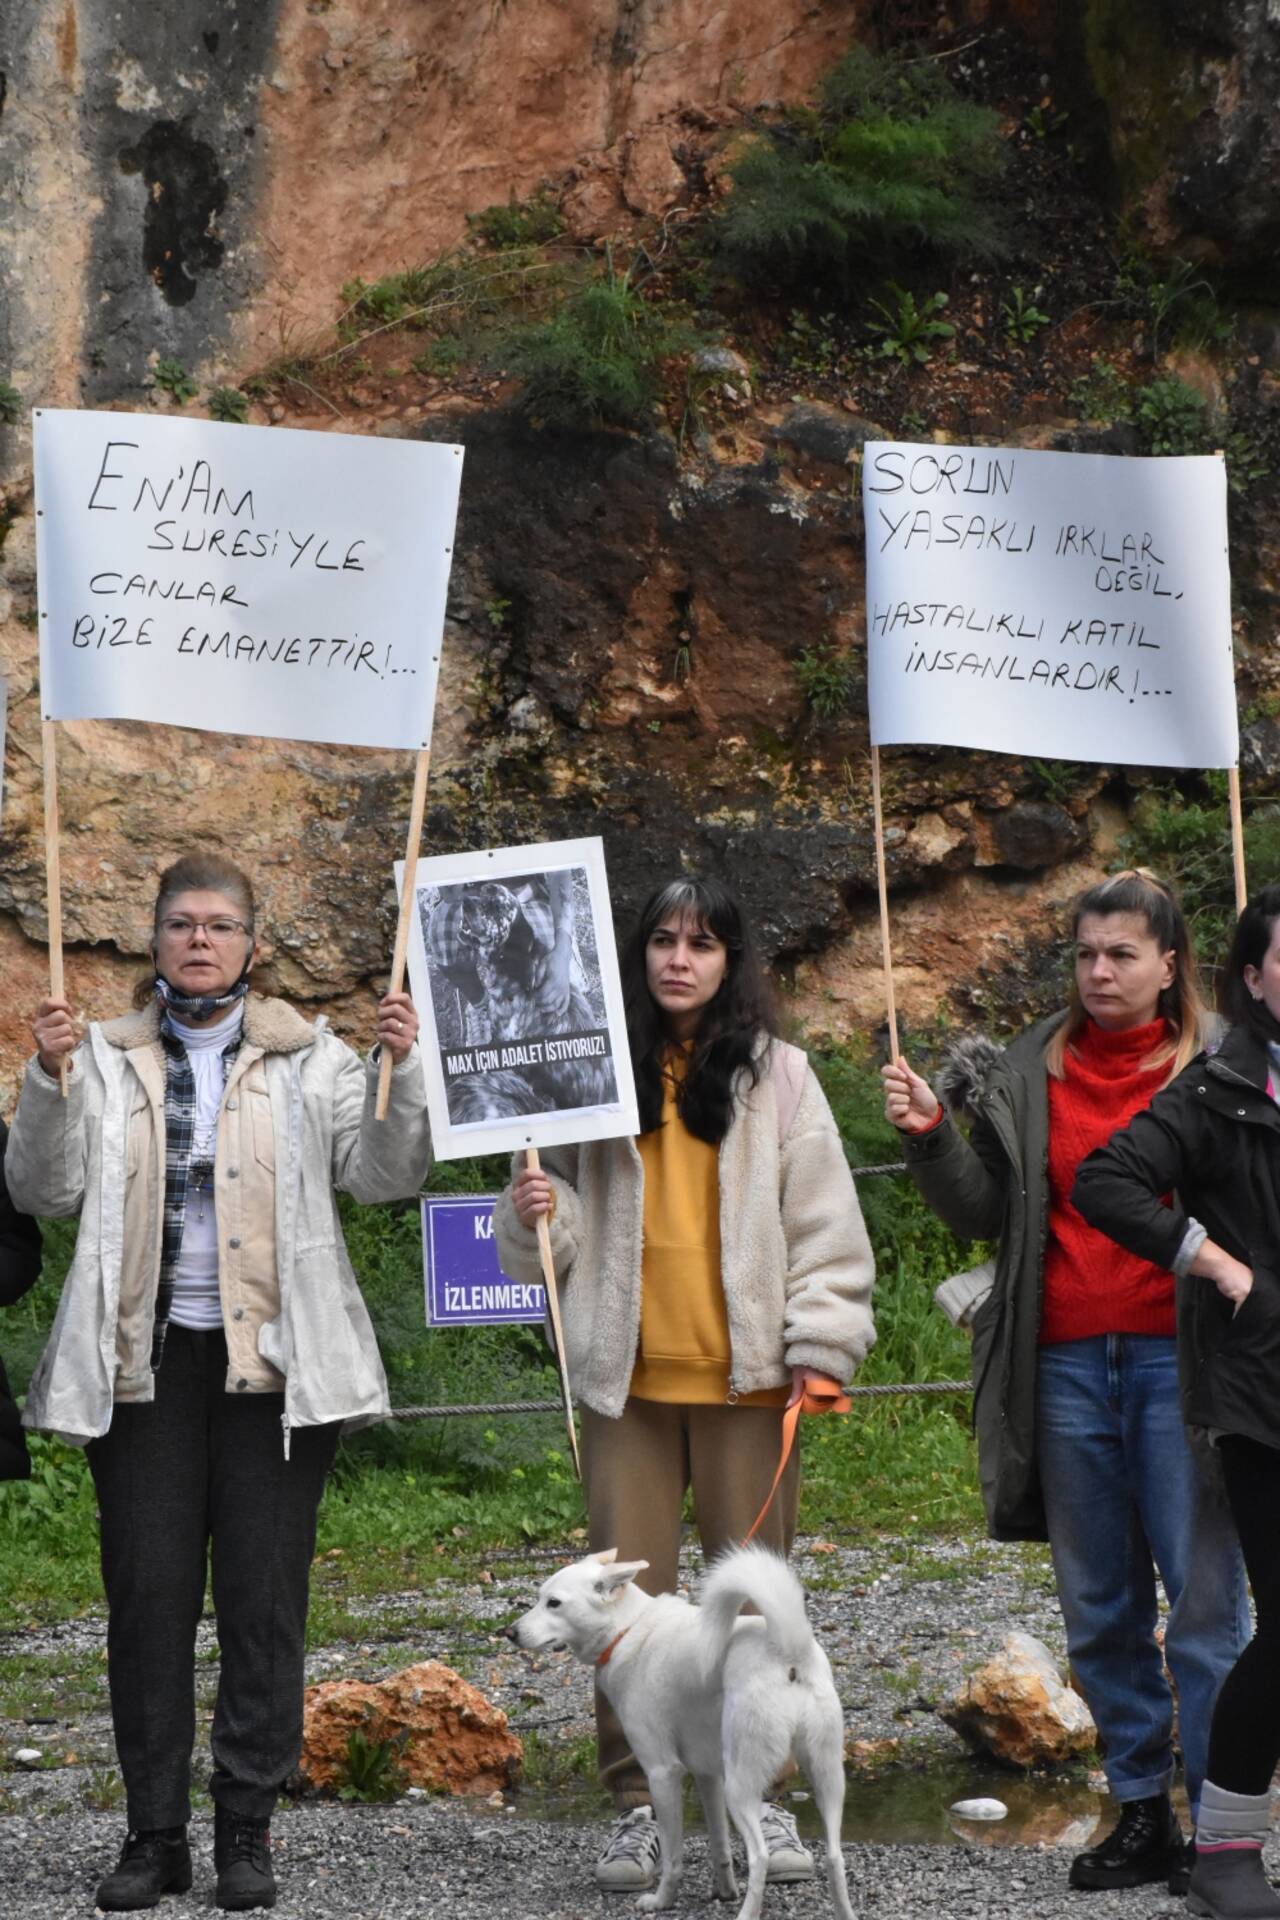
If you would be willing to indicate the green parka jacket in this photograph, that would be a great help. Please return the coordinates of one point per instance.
(995, 1186)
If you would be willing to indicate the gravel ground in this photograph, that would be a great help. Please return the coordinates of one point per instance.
(902, 1622)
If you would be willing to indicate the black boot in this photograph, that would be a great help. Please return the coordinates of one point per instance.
(242, 1856)
(1144, 1846)
(152, 1861)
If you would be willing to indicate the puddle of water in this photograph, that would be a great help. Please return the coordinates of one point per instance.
(902, 1806)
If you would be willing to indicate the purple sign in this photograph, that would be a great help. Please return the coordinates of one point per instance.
(465, 1285)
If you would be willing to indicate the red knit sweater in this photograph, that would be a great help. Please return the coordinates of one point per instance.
(1091, 1285)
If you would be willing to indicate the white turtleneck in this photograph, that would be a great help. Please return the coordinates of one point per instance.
(197, 1301)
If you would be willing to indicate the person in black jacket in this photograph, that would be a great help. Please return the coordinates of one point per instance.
(19, 1271)
(1212, 1140)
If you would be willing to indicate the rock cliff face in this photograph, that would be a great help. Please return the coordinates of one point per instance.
(197, 183)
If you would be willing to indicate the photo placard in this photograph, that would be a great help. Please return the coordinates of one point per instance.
(514, 974)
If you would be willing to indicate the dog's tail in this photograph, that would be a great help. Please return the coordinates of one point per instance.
(756, 1577)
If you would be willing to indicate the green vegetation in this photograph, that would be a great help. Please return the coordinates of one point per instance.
(908, 332)
(10, 405)
(373, 1770)
(827, 677)
(518, 223)
(1173, 417)
(1174, 302)
(1103, 395)
(172, 378)
(597, 356)
(459, 298)
(890, 162)
(809, 345)
(229, 403)
(443, 357)
(1021, 318)
(1185, 835)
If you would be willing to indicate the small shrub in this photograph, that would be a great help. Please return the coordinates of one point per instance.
(1104, 395)
(229, 403)
(809, 346)
(1043, 120)
(373, 1770)
(518, 223)
(891, 161)
(827, 677)
(10, 405)
(443, 357)
(595, 360)
(1186, 837)
(1172, 417)
(173, 378)
(1022, 320)
(1246, 460)
(908, 332)
(1173, 302)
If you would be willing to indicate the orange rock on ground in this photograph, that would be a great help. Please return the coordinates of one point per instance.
(1018, 1710)
(451, 1739)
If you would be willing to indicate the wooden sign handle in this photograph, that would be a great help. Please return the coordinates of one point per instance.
(1237, 836)
(53, 874)
(417, 808)
(883, 888)
(533, 1162)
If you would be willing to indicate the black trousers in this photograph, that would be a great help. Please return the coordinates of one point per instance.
(198, 1469)
(1244, 1740)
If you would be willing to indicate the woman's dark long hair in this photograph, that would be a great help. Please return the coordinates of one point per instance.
(1249, 945)
(734, 1023)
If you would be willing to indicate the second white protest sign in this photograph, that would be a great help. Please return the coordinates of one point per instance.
(1066, 605)
(255, 580)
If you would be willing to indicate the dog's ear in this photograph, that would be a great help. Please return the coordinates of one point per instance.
(606, 1554)
(619, 1574)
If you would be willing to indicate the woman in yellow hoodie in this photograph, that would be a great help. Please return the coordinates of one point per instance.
(711, 1268)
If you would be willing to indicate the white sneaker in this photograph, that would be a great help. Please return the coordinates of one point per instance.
(630, 1859)
(789, 1859)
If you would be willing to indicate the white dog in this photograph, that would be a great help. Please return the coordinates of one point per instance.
(700, 1690)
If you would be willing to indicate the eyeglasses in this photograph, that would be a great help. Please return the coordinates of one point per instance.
(177, 926)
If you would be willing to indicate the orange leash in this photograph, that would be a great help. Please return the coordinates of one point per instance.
(815, 1397)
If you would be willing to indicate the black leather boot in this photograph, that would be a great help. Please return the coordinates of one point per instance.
(1144, 1846)
(242, 1856)
(152, 1861)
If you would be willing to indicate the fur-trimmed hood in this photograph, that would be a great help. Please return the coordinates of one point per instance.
(964, 1072)
(270, 1024)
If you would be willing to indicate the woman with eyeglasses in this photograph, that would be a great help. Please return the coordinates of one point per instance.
(211, 1343)
(1076, 1397)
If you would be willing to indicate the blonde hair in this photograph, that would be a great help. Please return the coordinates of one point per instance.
(1181, 1003)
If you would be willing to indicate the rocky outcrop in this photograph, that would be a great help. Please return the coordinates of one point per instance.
(445, 1736)
(200, 184)
(1017, 1709)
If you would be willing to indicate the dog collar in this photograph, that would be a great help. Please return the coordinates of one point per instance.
(604, 1658)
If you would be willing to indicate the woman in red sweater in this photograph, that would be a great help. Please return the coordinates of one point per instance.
(1080, 1430)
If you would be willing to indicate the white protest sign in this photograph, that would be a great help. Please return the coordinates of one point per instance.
(250, 580)
(1065, 605)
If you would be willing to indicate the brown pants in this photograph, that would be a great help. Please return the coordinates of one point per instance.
(636, 1471)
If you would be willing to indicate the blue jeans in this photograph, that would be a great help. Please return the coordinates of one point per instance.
(1123, 1490)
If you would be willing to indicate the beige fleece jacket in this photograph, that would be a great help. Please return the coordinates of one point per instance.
(796, 1262)
(296, 1121)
